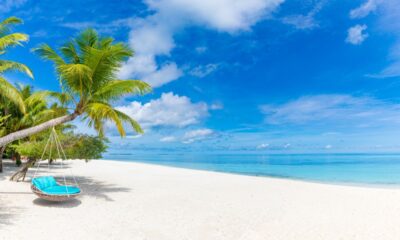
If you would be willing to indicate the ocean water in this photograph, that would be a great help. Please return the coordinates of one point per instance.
(364, 169)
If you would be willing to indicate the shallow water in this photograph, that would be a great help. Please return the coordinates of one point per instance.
(375, 169)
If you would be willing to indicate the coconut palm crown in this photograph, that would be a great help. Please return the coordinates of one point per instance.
(87, 68)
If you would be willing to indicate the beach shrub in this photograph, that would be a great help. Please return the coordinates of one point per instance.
(76, 146)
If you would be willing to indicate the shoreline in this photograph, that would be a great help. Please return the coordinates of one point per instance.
(131, 200)
(350, 184)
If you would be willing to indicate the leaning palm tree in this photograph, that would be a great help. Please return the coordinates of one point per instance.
(9, 95)
(7, 40)
(37, 110)
(87, 68)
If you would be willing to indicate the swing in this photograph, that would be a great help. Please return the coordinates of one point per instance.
(47, 187)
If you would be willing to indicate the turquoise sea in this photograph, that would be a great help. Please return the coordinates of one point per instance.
(370, 169)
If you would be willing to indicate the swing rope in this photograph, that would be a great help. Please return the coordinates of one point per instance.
(53, 138)
(44, 151)
(65, 157)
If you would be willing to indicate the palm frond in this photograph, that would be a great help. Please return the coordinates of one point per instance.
(37, 97)
(78, 77)
(87, 38)
(135, 125)
(47, 53)
(115, 89)
(8, 91)
(6, 24)
(14, 66)
(70, 52)
(11, 21)
(101, 111)
(12, 39)
(63, 98)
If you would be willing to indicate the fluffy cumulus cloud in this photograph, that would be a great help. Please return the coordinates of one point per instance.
(338, 109)
(153, 35)
(356, 34)
(170, 110)
(8, 5)
(197, 135)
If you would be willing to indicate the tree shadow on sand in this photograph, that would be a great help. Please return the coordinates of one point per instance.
(89, 187)
(98, 189)
(9, 167)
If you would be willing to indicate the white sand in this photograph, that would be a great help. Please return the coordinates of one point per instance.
(137, 201)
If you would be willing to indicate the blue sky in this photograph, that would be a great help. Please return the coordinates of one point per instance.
(241, 76)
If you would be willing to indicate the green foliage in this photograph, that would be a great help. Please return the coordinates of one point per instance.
(87, 68)
(36, 109)
(76, 146)
(7, 39)
(84, 147)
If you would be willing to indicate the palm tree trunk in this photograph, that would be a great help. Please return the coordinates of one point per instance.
(2, 149)
(36, 129)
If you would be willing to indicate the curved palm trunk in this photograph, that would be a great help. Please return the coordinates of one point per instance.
(36, 129)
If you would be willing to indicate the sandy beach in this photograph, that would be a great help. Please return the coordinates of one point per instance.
(125, 200)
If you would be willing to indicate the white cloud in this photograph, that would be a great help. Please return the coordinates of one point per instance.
(300, 21)
(134, 136)
(356, 35)
(203, 70)
(306, 21)
(222, 15)
(365, 9)
(263, 146)
(333, 109)
(39, 34)
(393, 70)
(153, 35)
(107, 27)
(197, 135)
(168, 139)
(388, 21)
(217, 106)
(169, 110)
(147, 68)
(8, 5)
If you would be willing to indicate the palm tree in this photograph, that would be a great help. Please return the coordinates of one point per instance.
(8, 93)
(36, 109)
(7, 40)
(87, 67)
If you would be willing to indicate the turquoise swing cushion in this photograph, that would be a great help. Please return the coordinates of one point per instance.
(50, 186)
